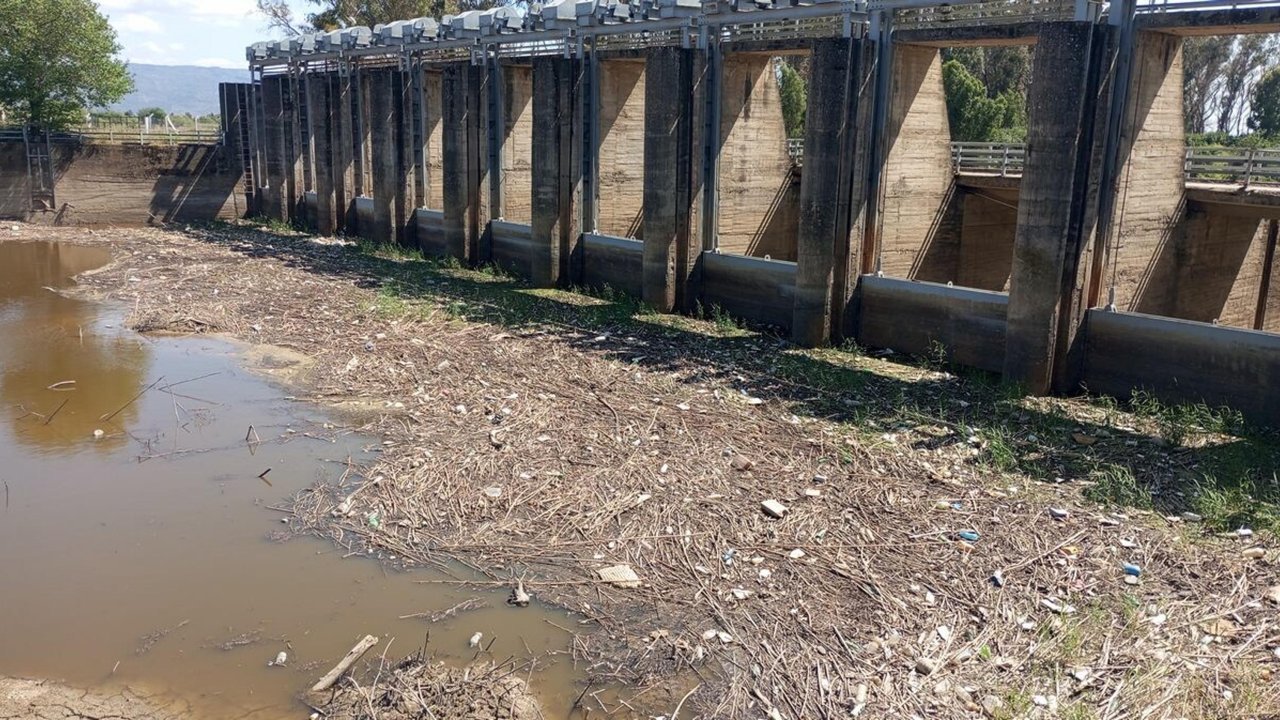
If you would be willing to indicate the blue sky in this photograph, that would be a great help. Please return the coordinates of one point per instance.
(187, 32)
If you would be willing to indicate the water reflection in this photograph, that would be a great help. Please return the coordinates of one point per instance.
(59, 373)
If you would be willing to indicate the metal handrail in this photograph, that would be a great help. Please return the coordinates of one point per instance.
(1237, 165)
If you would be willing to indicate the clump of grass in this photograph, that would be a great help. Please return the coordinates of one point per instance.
(724, 322)
(388, 303)
(274, 225)
(389, 251)
(999, 451)
(1115, 485)
(1178, 422)
(1230, 503)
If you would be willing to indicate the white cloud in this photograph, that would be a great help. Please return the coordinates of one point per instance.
(133, 22)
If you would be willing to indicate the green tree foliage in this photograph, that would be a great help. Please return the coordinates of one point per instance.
(1264, 116)
(156, 113)
(795, 99)
(975, 115)
(58, 60)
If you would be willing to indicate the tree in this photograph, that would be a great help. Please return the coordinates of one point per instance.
(1265, 103)
(976, 117)
(1250, 55)
(157, 113)
(58, 59)
(795, 99)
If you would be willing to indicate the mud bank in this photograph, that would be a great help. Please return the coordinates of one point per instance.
(46, 700)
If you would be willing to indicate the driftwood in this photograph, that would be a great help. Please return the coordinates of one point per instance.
(345, 664)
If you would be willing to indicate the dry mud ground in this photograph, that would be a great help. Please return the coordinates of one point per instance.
(947, 548)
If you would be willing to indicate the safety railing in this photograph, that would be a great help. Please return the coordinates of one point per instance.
(136, 130)
(990, 12)
(1173, 6)
(1235, 165)
(1003, 159)
(1245, 166)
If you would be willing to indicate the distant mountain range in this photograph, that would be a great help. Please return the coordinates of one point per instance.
(178, 88)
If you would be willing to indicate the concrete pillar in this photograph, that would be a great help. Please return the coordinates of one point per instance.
(274, 135)
(295, 155)
(320, 115)
(1055, 213)
(456, 197)
(824, 244)
(556, 169)
(382, 133)
(344, 181)
(675, 86)
(466, 161)
(403, 207)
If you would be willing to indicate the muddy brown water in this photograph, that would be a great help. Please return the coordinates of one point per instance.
(145, 550)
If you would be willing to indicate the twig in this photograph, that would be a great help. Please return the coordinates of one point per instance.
(676, 713)
(132, 400)
(55, 412)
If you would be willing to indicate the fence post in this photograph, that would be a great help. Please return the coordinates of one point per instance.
(1248, 167)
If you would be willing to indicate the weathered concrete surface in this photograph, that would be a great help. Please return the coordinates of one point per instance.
(465, 196)
(984, 35)
(517, 145)
(1184, 362)
(1053, 232)
(758, 193)
(382, 128)
(320, 116)
(613, 262)
(988, 225)
(1220, 261)
(104, 184)
(919, 218)
(342, 98)
(1150, 201)
(920, 317)
(827, 124)
(556, 172)
(434, 133)
(620, 203)
(275, 135)
(1231, 21)
(674, 105)
(759, 290)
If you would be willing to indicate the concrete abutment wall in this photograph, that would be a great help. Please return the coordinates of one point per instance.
(664, 171)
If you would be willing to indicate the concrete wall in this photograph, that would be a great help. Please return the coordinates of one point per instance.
(1184, 362)
(620, 203)
(433, 112)
(1150, 203)
(989, 221)
(102, 184)
(517, 144)
(759, 195)
(1219, 262)
(920, 216)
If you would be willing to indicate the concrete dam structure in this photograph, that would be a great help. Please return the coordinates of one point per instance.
(642, 146)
